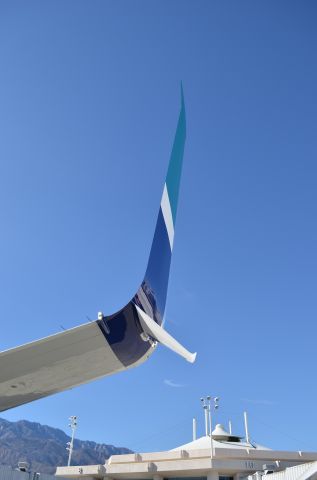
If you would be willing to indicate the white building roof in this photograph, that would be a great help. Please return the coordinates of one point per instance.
(204, 443)
(304, 471)
(220, 439)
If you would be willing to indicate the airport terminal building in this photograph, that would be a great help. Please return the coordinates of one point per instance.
(222, 457)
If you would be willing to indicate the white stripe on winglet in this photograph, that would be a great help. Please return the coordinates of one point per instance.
(167, 214)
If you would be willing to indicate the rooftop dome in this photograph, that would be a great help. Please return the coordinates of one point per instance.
(220, 434)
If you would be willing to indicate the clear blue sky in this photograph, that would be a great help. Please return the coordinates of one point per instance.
(89, 99)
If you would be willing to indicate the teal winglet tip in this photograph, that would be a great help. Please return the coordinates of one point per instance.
(182, 95)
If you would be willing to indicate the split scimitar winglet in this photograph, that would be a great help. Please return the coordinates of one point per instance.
(113, 343)
(162, 336)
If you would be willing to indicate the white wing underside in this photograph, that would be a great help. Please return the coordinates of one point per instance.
(54, 364)
(67, 359)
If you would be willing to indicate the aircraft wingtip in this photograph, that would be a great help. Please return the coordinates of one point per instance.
(192, 357)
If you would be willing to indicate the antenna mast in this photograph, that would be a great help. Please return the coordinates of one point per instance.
(194, 429)
(230, 427)
(208, 406)
(70, 445)
(246, 427)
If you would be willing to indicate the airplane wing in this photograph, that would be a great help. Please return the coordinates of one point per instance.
(53, 364)
(112, 343)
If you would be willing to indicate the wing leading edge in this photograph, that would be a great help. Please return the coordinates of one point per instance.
(112, 343)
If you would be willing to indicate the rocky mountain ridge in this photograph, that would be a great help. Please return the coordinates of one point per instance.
(44, 447)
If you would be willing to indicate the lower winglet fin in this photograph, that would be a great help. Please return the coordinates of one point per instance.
(156, 331)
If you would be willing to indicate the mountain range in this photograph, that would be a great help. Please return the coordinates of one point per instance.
(44, 447)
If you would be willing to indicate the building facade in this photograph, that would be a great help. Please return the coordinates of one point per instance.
(220, 457)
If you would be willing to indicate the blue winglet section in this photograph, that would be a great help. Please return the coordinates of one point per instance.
(123, 330)
(155, 283)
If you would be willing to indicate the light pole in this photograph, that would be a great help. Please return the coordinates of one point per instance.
(70, 445)
(209, 403)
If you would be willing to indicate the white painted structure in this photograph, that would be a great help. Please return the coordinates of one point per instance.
(304, 471)
(226, 457)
